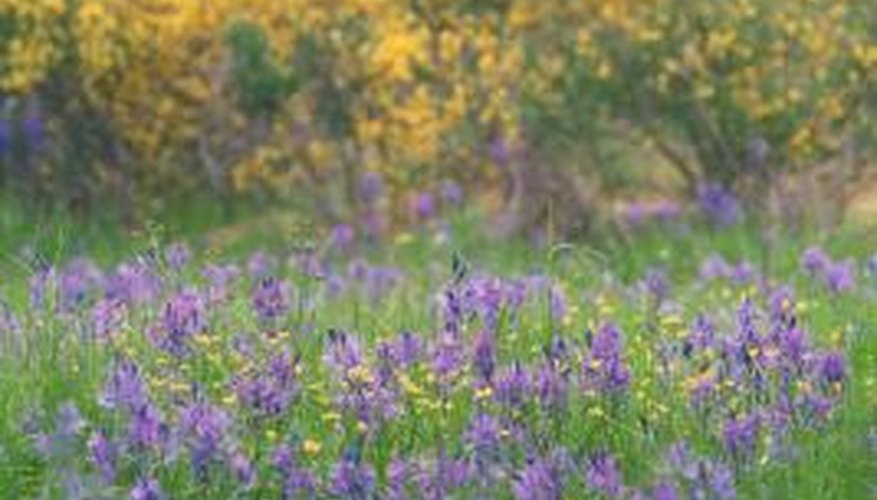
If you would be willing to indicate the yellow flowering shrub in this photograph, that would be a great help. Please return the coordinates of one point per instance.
(292, 96)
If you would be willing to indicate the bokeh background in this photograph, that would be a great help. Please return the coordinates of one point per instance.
(553, 116)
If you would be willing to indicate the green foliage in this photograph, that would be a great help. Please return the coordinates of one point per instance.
(262, 84)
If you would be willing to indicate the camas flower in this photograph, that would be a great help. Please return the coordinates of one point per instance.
(740, 434)
(177, 256)
(602, 474)
(538, 481)
(408, 348)
(103, 456)
(270, 299)
(297, 482)
(343, 236)
(718, 204)
(107, 317)
(714, 267)
(146, 489)
(270, 390)
(452, 193)
(76, 282)
(260, 265)
(371, 187)
(423, 206)
(840, 277)
(350, 478)
(145, 427)
(203, 428)
(657, 284)
(483, 432)
(603, 369)
(124, 388)
(242, 468)
(184, 316)
(447, 356)
(220, 279)
(484, 355)
(342, 353)
(512, 386)
(551, 387)
(133, 283)
(443, 476)
(833, 367)
(814, 260)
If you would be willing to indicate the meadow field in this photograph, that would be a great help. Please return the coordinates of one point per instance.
(429, 249)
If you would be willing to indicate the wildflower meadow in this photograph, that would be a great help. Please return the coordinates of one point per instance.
(385, 249)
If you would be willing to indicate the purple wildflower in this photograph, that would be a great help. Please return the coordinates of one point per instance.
(452, 193)
(76, 281)
(499, 151)
(203, 427)
(603, 368)
(133, 283)
(512, 386)
(665, 491)
(743, 272)
(103, 456)
(107, 316)
(183, 317)
(352, 479)
(146, 489)
(5, 137)
(297, 482)
(538, 481)
(840, 277)
(68, 422)
(551, 387)
(220, 279)
(657, 284)
(781, 303)
(814, 260)
(260, 265)
(443, 477)
(398, 474)
(718, 204)
(557, 299)
(177, 256)
(270, 299)
(242, 468)
(714, 267)
(721, 481)
(602, 474)
(408, 348)
(270, 392)
(423, 206)
(145, 427)
(447, 355)
(741, 434)
(484, 355)
(343, 352)
(483, 432)
(833, 367)
(343, 236)
(371, 187)
(124, 388)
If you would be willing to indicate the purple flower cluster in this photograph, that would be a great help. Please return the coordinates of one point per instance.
(495, 397)
(837, 276)
(718, 204)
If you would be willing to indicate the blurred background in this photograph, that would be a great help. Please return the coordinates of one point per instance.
(365, 117)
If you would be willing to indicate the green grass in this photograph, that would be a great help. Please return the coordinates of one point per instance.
(51, 365)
